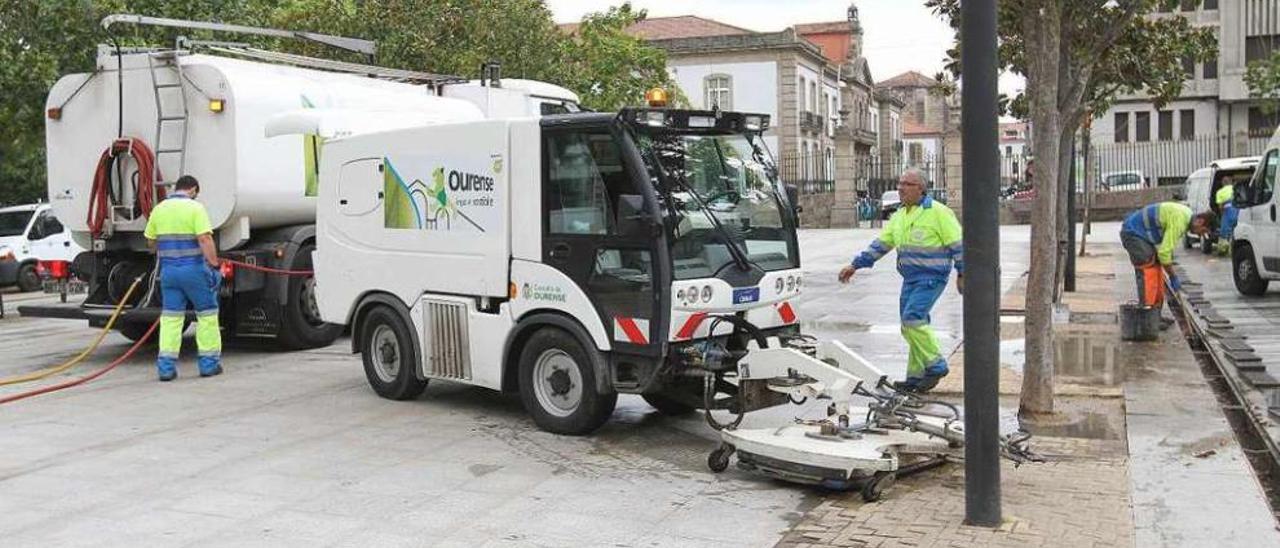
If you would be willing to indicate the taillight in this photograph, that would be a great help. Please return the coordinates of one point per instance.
(54, 269)
(227, 269)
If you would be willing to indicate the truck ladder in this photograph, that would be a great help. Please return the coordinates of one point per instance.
(170, 117)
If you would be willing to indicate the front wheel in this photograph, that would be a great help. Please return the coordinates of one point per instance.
(387, 349)
(558, 385)
(1244, 271)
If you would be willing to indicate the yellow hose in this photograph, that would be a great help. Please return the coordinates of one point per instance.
(43, 373)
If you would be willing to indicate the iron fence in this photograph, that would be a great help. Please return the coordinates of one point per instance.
(1128, 166)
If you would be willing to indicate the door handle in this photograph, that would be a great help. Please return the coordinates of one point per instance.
(66, 244)
(560, 251)
(1273, 213)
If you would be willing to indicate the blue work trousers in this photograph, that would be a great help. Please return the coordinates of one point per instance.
(914, 305)
(189, 285)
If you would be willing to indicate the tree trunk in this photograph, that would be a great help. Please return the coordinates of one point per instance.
(1043, 39)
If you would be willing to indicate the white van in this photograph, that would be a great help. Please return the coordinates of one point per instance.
(1203, 185)
(1255, 247)
(31, 233)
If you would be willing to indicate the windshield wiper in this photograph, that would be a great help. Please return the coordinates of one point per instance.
(739, 256)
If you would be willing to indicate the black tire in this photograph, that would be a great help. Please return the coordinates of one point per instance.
(390, 361)
(28, 279)
(877, 485)
(564, 399)
(1244, 271)
(718, 460)
(667, 405)
(1206, 244)
(302, 326)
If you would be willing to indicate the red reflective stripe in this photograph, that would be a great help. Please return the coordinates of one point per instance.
(691, 325)
(633, 333)
(788, 315)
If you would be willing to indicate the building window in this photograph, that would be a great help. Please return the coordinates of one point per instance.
(1165, 131)
(1008, 150)
(1187, 126)
(813, 95)
(1211, 69)
(1262, 124)
(719, 91)
(1189, 5)
(920, 110)
(1189, 67)
(804, 89)
(1211, 4)
(1141, 126)
(1122, 127)
(1259, 48)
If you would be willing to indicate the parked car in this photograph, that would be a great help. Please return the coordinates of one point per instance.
(30, 234)
(1124, 180)
(1255, 245)
(890, 201)
(1203, 185)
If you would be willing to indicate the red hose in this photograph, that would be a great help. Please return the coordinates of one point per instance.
(146, 194)
(270, 270)
(86, 378)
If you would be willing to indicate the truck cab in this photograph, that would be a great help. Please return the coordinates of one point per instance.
(1255, 246)
(30, 234)
(569, 258)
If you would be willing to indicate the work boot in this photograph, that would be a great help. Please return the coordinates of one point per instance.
(167, 368)
(910, 386)
(210, 366)
(166, 376)
(212, 371)
(932, 375)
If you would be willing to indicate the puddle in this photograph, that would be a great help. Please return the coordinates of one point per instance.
(1076, 419)
(1078, 359)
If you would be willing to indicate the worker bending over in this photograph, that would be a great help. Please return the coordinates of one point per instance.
(179, 230)
(1149, 235)
(926, 235)
(1224, 199)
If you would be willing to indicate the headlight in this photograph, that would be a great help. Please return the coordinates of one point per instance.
(680, 295)
(706, 294)
(777, 285)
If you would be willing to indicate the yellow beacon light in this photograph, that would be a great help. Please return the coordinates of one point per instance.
(217, 105)
(656, 97)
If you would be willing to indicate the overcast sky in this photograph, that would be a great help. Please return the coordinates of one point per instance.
(900, 35)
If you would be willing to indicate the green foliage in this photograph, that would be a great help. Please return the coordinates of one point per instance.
(41, 41)
(1109, 45)
(1263, 78)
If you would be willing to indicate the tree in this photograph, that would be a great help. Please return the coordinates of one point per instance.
(42, 41)
(1263, 78)
(1077, 56)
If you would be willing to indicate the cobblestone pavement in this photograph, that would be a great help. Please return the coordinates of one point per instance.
(1079, 498)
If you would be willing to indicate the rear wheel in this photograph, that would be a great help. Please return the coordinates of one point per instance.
(1244, 271)
(303, 327)
(387, 349)
(28, 278)
(558, 385)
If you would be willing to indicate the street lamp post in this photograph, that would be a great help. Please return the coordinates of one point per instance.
(980, 203)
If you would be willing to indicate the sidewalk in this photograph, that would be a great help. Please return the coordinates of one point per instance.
(1104, 482)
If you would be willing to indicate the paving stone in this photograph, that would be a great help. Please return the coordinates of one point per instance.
(1236, 345)
(1243, 356)
(1260, 379)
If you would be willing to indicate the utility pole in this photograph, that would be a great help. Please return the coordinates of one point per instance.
(1069, 274)
(981, 198)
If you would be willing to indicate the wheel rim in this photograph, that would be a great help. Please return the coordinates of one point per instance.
(557, 382)
(384, 348)
(310, 308)
(1245, 270)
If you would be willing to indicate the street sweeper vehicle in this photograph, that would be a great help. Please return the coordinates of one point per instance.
(119, 136)
(571, 258)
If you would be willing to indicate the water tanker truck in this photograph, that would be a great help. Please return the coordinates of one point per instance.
(119, 137)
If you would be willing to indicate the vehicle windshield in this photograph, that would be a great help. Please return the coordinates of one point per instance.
(14, 223)
(718, 191)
